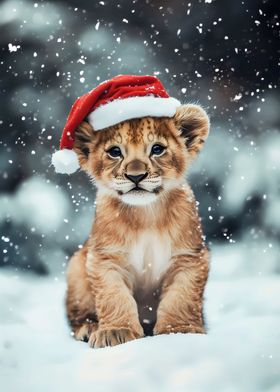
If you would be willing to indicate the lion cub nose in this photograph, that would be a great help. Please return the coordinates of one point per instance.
(136, 171)
(136, 179)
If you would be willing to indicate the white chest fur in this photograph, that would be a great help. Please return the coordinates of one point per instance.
(150, 255)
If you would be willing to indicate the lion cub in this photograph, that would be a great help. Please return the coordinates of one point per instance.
(144, 266)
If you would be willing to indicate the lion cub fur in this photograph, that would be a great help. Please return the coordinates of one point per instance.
(144, 266)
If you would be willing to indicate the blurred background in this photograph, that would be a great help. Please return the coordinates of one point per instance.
(221, 54)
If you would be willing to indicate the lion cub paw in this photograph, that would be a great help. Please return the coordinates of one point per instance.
(167, 329)
(111, 337)
(84, 331)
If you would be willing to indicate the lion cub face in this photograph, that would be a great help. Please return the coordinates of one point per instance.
(139, 160)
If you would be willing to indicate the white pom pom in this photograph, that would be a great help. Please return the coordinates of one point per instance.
(65, 161)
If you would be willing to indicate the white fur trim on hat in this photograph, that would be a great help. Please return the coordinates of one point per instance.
(65, 161)
(124, 109)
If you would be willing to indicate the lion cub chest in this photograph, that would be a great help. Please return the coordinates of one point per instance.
(150, 255)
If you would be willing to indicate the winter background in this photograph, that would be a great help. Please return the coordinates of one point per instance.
(222, 54)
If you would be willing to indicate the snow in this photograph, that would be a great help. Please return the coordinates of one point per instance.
(240, 352)
(13, 48)
(36, 204)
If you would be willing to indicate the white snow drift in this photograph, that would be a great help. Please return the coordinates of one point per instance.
(240, 353)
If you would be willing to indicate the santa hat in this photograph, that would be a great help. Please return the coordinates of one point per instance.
(122, 98)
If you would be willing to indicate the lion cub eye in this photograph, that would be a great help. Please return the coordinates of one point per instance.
(158, 149)
(114, 152)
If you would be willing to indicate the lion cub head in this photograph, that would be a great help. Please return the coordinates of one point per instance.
(140, 160)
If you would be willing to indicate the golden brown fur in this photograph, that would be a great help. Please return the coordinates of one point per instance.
(145, 264)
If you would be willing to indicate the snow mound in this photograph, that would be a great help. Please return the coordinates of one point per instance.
(240, 352)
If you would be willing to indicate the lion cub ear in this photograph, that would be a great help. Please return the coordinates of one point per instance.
(193, 124)
(83, 139)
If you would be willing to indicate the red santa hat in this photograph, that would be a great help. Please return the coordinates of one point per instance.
(122, 98)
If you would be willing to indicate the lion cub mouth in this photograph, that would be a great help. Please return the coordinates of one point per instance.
(139, 196)
(138, 190)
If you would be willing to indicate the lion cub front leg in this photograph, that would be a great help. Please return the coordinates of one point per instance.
(80, 302)
(181, 305)
(117, 313)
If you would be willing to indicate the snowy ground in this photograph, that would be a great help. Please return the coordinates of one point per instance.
(240, 353)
